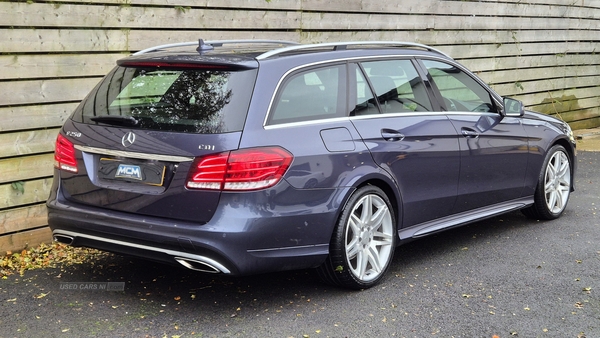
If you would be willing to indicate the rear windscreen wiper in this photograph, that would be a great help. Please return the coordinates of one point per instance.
(116, 120)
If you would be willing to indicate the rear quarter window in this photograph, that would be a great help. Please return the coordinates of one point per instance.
(310, 95)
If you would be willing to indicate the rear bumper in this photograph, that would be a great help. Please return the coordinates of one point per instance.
(239, 240)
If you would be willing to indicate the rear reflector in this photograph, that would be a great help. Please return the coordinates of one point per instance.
(64, 155)
(240, 170)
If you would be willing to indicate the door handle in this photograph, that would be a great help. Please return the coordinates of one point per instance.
(469, 133)
(392, 135)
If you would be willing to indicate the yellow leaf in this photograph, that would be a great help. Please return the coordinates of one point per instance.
(42, 295)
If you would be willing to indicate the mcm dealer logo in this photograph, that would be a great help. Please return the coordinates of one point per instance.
(129, 171)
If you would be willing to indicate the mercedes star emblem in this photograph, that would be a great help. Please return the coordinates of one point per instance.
(128, 139)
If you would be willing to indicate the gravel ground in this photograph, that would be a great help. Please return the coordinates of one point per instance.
(507, 276)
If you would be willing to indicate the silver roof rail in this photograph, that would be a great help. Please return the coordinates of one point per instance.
(216, 43)
(343, 45)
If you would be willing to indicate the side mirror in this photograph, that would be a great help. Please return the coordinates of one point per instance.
(512, 108)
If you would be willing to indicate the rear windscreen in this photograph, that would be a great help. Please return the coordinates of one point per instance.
(182, 100)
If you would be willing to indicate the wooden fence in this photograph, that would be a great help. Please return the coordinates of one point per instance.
(544, 52)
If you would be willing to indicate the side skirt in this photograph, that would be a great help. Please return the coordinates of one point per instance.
(430, 227)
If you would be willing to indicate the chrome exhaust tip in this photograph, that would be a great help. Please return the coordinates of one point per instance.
(197, 265)
(64, 239)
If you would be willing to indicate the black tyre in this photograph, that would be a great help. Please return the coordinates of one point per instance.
(363, 241)
(554, 186)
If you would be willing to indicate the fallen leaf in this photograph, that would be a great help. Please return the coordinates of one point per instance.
(46, 255)
(42, 295)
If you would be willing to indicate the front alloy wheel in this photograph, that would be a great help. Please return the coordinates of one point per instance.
(554, 186)
(363, 242)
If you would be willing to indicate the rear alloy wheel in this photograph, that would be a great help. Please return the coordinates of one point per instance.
(363, 242)
(554, 186)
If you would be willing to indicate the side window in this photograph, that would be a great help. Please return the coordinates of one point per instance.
(397, 86)
(459, 90)
(310, 95)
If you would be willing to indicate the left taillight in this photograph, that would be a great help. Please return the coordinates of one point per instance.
(64, 155)
(240, 170)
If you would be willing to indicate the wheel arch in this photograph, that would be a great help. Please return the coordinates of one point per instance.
(391, 194)
(570, 148)
(382, 181)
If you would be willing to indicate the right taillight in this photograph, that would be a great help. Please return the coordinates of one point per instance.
(64, 155)
(240, 170)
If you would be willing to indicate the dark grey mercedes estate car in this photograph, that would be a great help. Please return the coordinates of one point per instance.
(244, 157)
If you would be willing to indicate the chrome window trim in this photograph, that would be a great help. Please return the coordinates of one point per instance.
(376, 116)
(129, 154)
(306, 123)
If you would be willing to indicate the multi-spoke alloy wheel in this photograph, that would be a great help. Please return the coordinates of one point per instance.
(557, 182)
(363, 243)
(554, 186)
